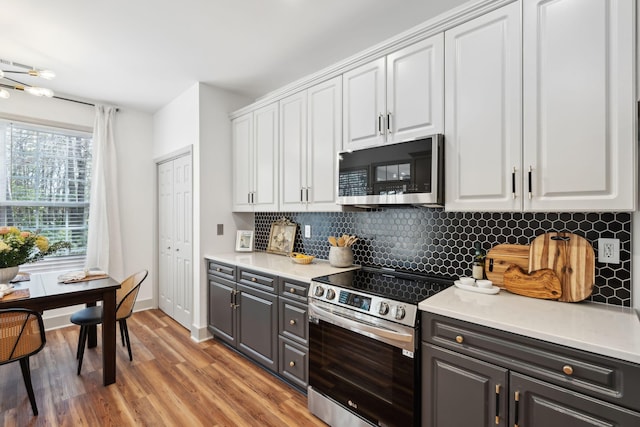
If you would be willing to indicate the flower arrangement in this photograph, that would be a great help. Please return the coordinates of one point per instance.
(20, 247)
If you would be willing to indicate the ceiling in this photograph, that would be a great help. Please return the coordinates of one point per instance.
(144, 53)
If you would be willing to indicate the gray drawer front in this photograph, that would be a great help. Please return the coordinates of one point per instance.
(293, 363)
(293, 289)
(595, 375)
(257, 279)
(226, 271)
(294, 322)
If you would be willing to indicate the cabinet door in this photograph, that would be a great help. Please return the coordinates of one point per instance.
(364, 105)
(258, 326)
(579, 104)
(293, 146)
(266, 158)
(458, 390)
(539, 404)
(483, 112)
(415, 79)
(243, 166)
(222, 313)
(324, 141)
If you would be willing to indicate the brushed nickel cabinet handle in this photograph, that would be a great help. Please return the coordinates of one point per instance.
(292, 322)
(253, 279)
(292, 290)
(292, 363)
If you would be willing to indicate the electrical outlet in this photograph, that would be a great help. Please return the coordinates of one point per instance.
(307, 231)
(609, 251)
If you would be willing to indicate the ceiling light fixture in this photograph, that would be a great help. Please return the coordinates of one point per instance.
(14, 68)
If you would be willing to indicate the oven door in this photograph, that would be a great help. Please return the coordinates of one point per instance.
(364, 364)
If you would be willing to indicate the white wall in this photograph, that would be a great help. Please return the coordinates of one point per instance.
(133, 131)
(215, 189)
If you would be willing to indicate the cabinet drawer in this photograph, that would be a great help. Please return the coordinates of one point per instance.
(609, 379)
(294, 322)
(257, 279)
(219, 269)
(293, 363)
(293, 289)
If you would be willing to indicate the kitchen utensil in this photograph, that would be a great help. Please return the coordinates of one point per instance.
(538, 284)
(341, 241)
(572, 259)
(500, 257)
(333, 241)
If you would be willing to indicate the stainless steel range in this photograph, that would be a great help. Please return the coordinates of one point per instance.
(364, 353)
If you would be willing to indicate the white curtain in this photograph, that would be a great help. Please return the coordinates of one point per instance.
(104, 246)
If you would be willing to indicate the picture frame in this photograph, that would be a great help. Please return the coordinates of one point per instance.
(282, 237)
(244, 241)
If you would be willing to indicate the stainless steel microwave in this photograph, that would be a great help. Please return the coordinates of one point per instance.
(395, 174)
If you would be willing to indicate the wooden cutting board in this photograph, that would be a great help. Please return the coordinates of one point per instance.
(571, 257)
(500, 257)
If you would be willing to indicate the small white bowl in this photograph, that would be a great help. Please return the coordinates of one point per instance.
(468, 281)
(487, 284)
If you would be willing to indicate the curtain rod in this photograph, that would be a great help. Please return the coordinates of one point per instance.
(78, 102)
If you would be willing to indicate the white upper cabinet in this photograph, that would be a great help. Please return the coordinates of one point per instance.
(363, 105)
(310, 139)
(579, 104)
(415, 80)
(574, 149)
(255, 160)
(483, 112)
(396, 98)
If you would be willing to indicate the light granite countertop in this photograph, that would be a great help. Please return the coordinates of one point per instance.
(279, 265)
(597, 328)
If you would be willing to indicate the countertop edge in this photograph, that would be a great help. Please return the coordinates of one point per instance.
(584, 329)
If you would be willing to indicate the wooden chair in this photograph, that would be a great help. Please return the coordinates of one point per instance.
(21, 335)
(91, 316)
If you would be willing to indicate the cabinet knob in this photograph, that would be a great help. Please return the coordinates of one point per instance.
(292, 363)
(567, 369)
(253, 279)
(459, 339)
(292, 290)
(218, 269)
(292, 322)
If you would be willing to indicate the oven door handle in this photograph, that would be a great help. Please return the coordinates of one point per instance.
(359, 327)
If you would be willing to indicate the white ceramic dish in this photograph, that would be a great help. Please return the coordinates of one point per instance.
(467, 281)
(491, 291)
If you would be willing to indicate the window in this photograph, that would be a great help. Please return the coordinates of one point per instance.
(45, 185)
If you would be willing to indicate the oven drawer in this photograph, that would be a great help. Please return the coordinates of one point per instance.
(259, 280)
(294, 362)
(294, 322)
(219, 269)
(293, 289)
(599, 376)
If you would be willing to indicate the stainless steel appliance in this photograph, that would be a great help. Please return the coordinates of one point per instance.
(364, 353)
(404, 173)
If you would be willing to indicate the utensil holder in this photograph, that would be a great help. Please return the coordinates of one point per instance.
(340, 256)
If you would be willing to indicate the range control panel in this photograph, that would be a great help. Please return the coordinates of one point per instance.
(383, 308)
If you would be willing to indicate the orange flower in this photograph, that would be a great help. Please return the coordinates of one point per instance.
(4, 230)
(25, 234)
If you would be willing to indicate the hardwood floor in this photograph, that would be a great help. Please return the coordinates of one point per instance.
(172, 381)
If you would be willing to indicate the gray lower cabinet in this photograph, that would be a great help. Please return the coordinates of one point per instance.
(244, 313)
(478, 376)
(293, 330)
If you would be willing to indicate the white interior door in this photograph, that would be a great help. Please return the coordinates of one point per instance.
(175, 208)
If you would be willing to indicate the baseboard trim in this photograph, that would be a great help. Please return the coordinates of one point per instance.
(200, 334)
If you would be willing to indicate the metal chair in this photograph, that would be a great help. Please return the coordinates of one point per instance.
(92, 316)
(21, 335)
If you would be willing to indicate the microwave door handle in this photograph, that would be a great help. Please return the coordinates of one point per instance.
(356, 326)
